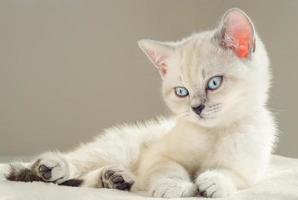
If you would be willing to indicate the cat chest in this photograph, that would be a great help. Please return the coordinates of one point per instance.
(190, 149)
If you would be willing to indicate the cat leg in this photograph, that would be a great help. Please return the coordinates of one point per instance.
(218, 183)
(63, 169)
(113, 177)
(167, 179)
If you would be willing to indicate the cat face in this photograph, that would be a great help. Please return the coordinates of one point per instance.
(213, 78)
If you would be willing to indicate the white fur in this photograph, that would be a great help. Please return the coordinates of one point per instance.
(225, 150)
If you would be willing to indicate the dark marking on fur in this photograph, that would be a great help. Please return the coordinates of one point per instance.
(72, 182)
(24, 175)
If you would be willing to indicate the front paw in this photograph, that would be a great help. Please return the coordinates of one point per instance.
(169, 188)
(215, 184)
(116, 178)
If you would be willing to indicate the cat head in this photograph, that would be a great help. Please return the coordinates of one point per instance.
(215, 77)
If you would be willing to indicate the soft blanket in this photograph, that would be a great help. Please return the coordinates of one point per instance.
(280, 183)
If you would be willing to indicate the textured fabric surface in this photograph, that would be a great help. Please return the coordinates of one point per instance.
(281, 182)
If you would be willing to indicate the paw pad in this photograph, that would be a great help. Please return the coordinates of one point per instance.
(45, 172)
(116, 180)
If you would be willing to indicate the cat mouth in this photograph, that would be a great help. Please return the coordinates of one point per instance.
(204, 118)
(200, 117)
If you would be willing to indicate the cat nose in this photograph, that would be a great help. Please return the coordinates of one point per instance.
(198, 109)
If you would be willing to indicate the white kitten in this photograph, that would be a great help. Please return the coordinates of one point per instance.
(216, 83)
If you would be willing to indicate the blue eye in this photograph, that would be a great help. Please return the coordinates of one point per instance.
(214, 82)
(181, 91)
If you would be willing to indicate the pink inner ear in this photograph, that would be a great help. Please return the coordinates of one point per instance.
(240, 33)
(242, 49)
(163, 69)
(158, 60)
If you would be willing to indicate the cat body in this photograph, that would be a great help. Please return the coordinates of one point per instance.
(220, 140)
(240, 154)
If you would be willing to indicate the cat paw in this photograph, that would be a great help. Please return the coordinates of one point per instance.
(213, 184)
(173, 189)
(116, 178)
(51, 167)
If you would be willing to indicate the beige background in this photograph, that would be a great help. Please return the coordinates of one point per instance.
(69, 68)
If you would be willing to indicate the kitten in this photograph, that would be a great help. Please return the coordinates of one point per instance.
(216, 83)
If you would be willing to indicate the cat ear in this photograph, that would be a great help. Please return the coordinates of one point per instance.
(236, 32)
(158, 53)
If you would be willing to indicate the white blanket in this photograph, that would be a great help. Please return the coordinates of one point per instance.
(281, 183)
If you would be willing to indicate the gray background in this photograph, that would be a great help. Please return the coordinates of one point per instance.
(69, 68)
